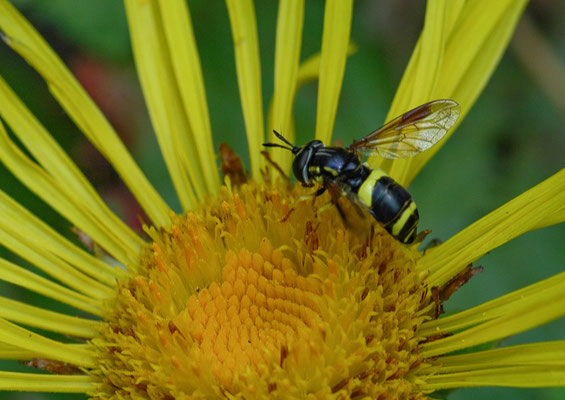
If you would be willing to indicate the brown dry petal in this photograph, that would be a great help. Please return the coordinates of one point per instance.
(257, 295)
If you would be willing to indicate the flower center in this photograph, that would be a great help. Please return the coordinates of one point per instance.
(258, 310)
(261, 294)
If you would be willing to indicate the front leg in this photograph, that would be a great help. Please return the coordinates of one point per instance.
(320, 191)
(336, 194)
(313, 196)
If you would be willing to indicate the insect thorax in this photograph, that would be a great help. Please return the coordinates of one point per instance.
(331, 162)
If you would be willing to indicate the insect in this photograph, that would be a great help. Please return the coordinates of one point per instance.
(340, 170)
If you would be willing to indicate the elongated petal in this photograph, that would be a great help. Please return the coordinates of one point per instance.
(23, 239)
(58, 269)
(533, 311)
(38, 317)
(307, 72)
(44, 347)
(45, 187)
(310, 68)
(421, 76)
(531, 210)
(9, 352)
(60, 167)
(404, 94)
(495, 308)
(44, 237)
(335, 40)
(21, 381)
(474, 44)
(17, 275)
(24, 39)
(164, 102)
(431, 53)
(543, 355)
(247, 62)
(181, 43)
(530, 376)
(287, 56)
(535, 359)
(470, 83)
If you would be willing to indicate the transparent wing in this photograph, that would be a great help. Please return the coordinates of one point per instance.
(411, 133)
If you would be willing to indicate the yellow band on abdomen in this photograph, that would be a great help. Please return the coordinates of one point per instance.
(365, 192)
(400, 222)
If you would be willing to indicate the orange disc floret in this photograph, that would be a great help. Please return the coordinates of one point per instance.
(260, 294)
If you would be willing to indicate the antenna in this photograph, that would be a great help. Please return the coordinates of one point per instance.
(292, 147)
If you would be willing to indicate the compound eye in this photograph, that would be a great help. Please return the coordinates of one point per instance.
(300, 165)
(316, 144)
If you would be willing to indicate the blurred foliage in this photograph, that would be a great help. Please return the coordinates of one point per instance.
(512, 139)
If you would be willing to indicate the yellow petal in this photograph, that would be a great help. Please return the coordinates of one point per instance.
(525, 377)
(163, 100)
(404, 94)
(535, 359)
(472, 40)
(20, 381)
(495, 308)
(44, 347)
(177, 24)
(287, 54)
(44, 237)
(308, 71)
(246, 45)
(17, 275)
(473, 47)
(536, 207)
(527, 313)
(310, 68)
(41, 318)
(544, 355)
(52, 192)
(431, 52)
(335, 41)
(17, 242)
(60, 167)
(24, 39)
(9, 352)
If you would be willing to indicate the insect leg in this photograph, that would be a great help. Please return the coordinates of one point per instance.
(336, 193)
(317, 193)
(342, 214)
(320, 191)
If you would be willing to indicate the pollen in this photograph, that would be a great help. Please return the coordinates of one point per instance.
(255, 311)
(263, 294)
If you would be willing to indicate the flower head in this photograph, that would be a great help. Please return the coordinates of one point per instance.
(257, 290)
(259, 296)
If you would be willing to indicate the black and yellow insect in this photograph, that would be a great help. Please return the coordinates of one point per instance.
(340, 170)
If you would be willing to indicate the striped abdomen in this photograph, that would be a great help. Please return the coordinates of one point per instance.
(390, 204)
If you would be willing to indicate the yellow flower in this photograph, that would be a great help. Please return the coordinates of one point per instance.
(252, 292)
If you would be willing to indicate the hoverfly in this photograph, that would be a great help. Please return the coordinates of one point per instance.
(340, 171)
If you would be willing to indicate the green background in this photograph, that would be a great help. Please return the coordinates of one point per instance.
(511, 140)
